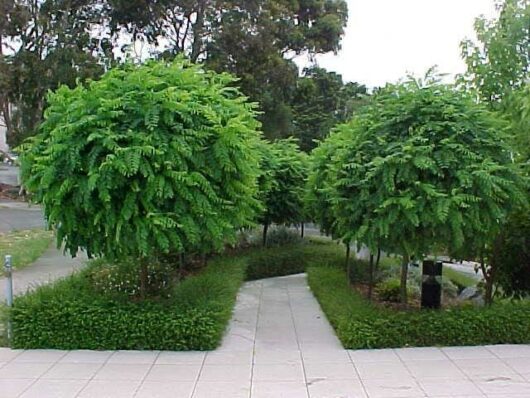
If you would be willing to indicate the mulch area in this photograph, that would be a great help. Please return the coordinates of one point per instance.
(10, 192)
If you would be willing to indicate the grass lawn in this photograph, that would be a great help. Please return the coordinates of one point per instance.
(459, 278)
(25, 246)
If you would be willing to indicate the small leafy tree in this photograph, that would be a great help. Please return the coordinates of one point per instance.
(510, 255)
(499, 62)
(424, 168)
(282, 183)
(498, 68)
(318, 198)
(150, 159)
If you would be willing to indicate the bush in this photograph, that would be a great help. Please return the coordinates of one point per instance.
(268, 263)
(510, 257)
(150, 159)
(122, 278)
(359, 324)
(293, 259)
(71, 314)
(389, 290)
(281, 236)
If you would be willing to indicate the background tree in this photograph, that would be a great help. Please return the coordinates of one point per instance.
(282, 184)
(499, 70)
(147, 160)
(45, 44)
(319, 192)
(320, 101)
(254, 40)
(425, 169)
(510, 255)
(499, 63)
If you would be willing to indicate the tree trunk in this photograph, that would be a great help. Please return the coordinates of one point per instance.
(404, 274)
(265, 229)
(488, 277)
(302, 230)
(143, 277)
(181, 266)
(198, 31)
(377, 259)
(371, 280)
(348, 268)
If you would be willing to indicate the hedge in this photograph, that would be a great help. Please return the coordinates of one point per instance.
(70, 315)
(293, 258)
(359, 324)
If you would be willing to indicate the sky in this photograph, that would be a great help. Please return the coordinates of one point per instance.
(387, 39)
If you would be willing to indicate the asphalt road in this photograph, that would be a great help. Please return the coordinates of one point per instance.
(9, 174)
(15, 216)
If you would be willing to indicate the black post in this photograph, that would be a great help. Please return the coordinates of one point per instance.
(348, 268)
(265, 229)
(431, 286)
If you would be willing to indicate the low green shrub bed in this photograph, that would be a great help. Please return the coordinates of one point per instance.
(359, 324)
(73, 314)
(293, 258)
(100, 307)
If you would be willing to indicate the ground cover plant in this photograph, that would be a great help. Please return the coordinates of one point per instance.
(79, 313)
(361, 324)
(25, 246)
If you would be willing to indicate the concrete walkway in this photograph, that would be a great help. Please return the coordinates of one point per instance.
(52, 265)
(278, 345)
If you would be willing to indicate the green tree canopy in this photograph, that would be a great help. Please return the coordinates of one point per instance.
(44, 44)
(423, 168)
(320, 101)
(254, 40)
(499, 63)
(319, 190)
(148, 159)
(282, 183)
(510, 255)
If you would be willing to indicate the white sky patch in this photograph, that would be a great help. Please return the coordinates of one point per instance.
(387, 39)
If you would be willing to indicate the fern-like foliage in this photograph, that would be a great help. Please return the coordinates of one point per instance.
(423, 167)
(149, 159)
(282, 182)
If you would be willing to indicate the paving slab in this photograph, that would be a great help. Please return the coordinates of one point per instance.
(278, 344)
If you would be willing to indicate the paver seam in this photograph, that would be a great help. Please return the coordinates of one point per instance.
(297, 341)
(357, 373)
(198, 376)
(504, 362)
(95, 373)
(254, 344)
(464, 373)
(410, 373)
(146, 374)
(52, 364)
(508, 365)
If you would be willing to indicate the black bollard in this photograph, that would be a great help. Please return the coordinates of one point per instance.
(431, 286)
